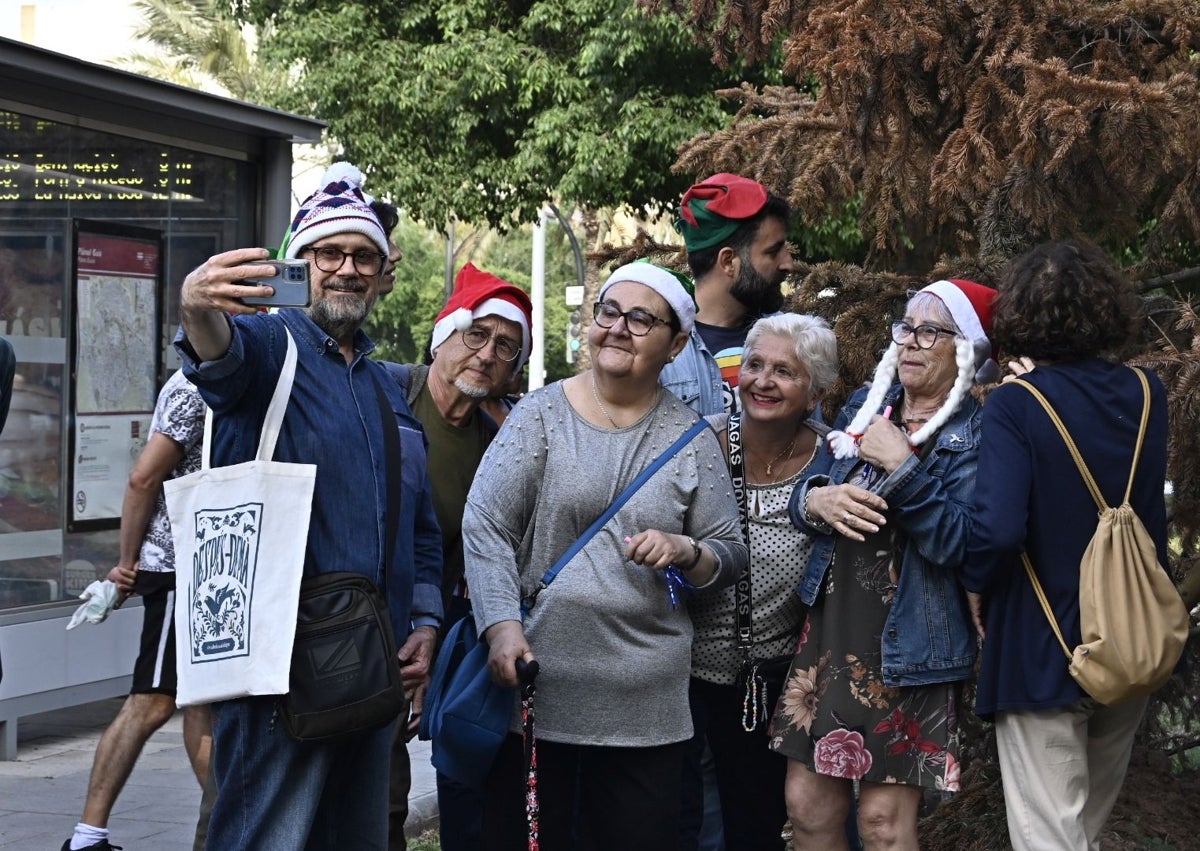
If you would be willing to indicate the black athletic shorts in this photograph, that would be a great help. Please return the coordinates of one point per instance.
(154, 671)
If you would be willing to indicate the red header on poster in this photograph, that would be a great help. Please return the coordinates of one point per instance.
(117, 255)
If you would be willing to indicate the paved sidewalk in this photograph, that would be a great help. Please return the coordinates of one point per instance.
(42, 791)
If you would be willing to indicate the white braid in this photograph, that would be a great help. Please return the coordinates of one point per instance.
(844, 444)
(965, 356)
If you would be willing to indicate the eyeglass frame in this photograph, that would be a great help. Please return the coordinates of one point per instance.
(906, 329)
(491, 335)
(798, 378)
(353, 255)
(599, 307)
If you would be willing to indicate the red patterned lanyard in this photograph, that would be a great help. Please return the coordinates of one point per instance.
(526, 673)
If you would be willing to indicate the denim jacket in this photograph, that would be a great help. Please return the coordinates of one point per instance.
(695, 379)
(928, 636)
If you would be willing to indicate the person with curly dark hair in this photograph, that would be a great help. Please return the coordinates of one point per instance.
(1065, 302)
(1066, 310)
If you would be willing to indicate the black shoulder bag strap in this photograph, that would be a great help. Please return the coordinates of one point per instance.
(392, 471)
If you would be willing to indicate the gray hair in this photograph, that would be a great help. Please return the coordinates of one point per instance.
(812, 341)
(934, 308)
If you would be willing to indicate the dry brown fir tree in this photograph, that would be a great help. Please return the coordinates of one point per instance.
(968, 132)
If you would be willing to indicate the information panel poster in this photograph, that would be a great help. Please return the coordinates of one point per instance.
(115, 364)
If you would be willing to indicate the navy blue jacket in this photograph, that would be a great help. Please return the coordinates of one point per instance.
(1031, 497)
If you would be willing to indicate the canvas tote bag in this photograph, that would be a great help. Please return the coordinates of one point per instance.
(240, 533)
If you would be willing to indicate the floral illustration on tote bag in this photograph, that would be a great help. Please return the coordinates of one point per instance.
(222, 581)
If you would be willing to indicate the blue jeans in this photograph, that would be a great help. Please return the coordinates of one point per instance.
(277, 794)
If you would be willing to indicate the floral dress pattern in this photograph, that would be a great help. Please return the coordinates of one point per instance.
(835, 714)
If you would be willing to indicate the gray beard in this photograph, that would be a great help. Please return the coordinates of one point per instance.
(340, 320)
(470, 389)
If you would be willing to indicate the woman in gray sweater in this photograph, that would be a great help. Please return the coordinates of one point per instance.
(614, 645)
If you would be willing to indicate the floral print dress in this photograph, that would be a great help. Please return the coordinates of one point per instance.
(835, 714)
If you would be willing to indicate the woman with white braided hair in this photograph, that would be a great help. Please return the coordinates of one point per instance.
(611, 632)
(873, 692)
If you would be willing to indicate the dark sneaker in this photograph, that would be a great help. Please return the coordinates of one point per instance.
(102, 845)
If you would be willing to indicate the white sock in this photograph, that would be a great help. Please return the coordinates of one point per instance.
(86, 835)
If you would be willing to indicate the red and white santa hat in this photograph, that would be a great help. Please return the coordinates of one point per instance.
(478, 294)
(970, 305)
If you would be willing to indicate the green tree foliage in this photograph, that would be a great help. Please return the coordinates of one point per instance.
(200, 44)
(484, 111)
(402, 321)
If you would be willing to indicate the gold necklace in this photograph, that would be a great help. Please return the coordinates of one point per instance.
(600, 405)
(787, 451)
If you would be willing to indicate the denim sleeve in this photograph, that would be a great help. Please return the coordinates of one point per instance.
(934, 511)
(224, 381)
(818, 472)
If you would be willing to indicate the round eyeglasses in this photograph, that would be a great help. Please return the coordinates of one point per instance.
(505, 349)
(638, 322)
(329, 259)
(925, 334)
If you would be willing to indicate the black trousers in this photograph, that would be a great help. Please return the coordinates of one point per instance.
(591, 798)
(749, 776)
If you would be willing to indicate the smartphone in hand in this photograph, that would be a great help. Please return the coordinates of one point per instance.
(290, 282)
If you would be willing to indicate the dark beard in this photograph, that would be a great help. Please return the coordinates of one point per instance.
(755, 292)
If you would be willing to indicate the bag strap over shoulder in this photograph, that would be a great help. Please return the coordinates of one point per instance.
(1088, 479)
(273, 421)
(623, 497)
(1093, 488)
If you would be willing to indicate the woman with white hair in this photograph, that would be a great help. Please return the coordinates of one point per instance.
(740, 654)
(873, 692)
(611, 633)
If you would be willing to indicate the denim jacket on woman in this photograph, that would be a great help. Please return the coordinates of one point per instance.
(928, 636)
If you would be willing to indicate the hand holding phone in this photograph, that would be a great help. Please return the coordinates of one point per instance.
(290, 283)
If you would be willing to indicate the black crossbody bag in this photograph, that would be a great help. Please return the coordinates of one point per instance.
(345, 675)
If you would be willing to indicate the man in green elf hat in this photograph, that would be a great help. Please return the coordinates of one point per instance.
(735, 231)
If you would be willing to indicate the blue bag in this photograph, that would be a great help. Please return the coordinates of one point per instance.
(466, 715)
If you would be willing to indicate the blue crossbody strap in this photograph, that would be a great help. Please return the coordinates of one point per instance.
(683, 440)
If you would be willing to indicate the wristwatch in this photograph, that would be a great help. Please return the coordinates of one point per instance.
(687, 568)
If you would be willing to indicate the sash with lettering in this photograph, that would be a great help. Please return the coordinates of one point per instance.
(240, 533)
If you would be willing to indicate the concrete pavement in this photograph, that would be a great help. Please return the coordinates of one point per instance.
(42, 790)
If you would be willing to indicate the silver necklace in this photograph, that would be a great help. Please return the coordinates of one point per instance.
(600, 405)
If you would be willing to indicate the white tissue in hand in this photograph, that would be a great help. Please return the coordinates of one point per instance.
(99, 597)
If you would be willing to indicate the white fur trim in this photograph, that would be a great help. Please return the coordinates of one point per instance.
(505, 309)
(842, 445)
(960, 308)
(663, 283)
(461, 319)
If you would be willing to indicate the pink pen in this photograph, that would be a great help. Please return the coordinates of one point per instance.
(887, 412)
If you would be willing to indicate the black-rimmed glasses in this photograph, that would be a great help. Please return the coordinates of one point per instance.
(505, 349)
(329, 259)
(639, 322)
(925, 334)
